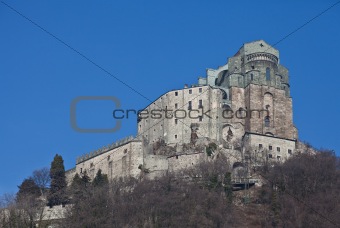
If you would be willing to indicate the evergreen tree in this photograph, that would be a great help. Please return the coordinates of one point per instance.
(79, 187)
(77, 181)
(100, 179)
(28, 188)
(57, 193)
(85, 179)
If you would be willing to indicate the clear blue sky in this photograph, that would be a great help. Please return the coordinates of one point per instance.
(153, 46)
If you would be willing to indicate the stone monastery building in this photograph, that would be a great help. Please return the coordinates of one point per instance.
(244, 108)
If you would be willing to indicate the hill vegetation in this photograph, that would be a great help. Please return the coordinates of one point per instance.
(302, 192)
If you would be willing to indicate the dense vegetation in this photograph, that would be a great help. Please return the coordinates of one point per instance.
(302, 192)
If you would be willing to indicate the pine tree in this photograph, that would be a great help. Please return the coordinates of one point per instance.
(57, 193)
(28, 188)
(77, 181)
(100, 179)
(85, 179)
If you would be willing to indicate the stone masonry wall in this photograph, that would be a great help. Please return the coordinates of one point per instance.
(119, 162)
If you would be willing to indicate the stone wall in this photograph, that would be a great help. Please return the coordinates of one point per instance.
(122, 161)
(268, 147)
(176, 127)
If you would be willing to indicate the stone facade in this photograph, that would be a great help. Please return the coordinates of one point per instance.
(121, 161)
(244, 107)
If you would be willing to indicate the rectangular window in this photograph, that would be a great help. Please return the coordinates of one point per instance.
(289, 151)
(260, 146)
(176, 121)
(190, 91)
(279, 158)
(176, 93)
(270, 147)
(200, 118)
(200, 104)
(176, 106)
(278, 149)
(175, 136)
(270, 155)
(81, 170)
(189, 105)
(200, 90)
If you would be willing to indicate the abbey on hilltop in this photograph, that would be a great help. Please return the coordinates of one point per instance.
(243, 109)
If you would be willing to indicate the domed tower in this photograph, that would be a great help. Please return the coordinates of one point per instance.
(255, 63)
(254, 82)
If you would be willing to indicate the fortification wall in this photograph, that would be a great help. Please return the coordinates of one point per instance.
(185, 161)
(121, 161)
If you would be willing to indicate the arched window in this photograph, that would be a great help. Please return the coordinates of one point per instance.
(226, 107)
(267, 121)
(224, 95)
(267, 74)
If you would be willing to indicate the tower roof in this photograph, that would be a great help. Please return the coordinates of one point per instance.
(258, 46)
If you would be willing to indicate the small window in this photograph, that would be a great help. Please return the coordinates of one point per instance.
(176, 156)
(279, 158)
(91, 165)
(176, 121)
(289, 151)
(125, 150)
(253, 67)
(200, 104)
(176, 93)
(176, 105)
(260, 146)
(190, 91)
(251, 77)
(267, 121)
(81, 170)
(270, 148)
(200, 90)
(270, 155)
(224, 95)
(200, 118)
(108, 158)
(278, 149)
(189, 105)
(175, 136)
(267, 74)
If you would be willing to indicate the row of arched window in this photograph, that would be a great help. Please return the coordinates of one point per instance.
(267, 75)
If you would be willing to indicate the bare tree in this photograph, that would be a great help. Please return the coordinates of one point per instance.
(42, 178)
